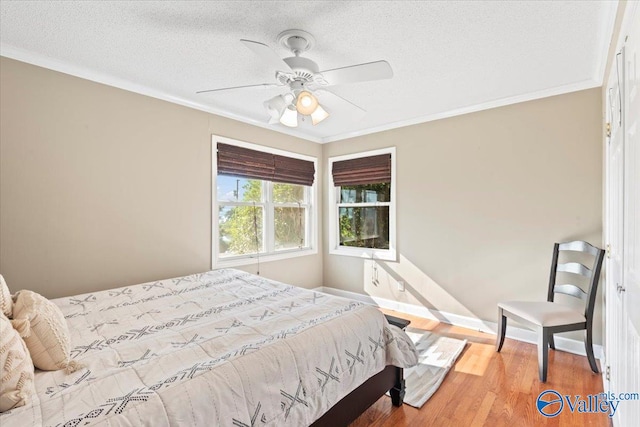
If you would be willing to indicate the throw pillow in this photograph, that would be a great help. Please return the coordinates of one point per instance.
(16, 380)
(5, 298)
(44, 329)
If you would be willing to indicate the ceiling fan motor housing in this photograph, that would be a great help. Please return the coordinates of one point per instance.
(304, 68)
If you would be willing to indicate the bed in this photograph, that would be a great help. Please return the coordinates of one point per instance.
(223, 348)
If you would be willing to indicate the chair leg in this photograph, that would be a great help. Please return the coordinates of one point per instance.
(502, 330)
(543, 353)
(588, 346)
(552, 343)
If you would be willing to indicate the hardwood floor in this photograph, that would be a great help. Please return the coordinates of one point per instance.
(485, 388)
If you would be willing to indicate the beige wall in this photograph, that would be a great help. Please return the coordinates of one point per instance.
(481, 198)
(100, 187)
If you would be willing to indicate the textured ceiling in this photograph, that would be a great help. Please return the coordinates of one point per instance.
(448, 57)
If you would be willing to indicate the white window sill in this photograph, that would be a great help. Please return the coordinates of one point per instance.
(253, 258)
(381, 254)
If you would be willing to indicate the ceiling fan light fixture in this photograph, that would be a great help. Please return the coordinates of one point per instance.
(289, 117)
(306, 103)
(318, 115)
(275, 107)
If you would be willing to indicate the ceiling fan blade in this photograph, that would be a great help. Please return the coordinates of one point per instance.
(335, 104)
(265, 85)
(268, 55)
(358, 73)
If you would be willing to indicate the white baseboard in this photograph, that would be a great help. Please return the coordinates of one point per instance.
(562, 343)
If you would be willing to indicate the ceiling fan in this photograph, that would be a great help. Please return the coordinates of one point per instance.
(305, 82)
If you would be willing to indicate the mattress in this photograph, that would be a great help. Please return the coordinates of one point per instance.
(223, 348)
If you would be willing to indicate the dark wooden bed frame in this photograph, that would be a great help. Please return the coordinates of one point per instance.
(355, 403)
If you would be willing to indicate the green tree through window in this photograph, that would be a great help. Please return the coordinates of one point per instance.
(241, 221)
(363, 214)
(241, 226)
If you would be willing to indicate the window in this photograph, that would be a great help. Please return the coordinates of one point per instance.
(264, 204)
(362, 189)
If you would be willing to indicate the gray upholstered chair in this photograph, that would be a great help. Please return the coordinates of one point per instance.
(549, 317)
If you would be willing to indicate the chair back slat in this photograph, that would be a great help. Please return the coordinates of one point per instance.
(579, 246)
(574, 268)
(572, 290)
(592, 274)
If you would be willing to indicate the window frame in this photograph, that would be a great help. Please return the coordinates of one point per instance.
(270, 253)
(334, 197)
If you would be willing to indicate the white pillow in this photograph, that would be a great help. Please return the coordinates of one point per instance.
(44, 329)
(16, 382)
(6, 302)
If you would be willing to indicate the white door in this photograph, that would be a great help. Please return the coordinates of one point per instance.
(615, 335)
(622, 297)
(631, 228)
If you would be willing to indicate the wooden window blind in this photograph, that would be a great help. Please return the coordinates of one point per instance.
(362, 171)
(254, 164)
(293, 171)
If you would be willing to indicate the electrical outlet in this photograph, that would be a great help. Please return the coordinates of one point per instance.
(401, 285)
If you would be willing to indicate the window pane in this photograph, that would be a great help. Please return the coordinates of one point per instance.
(288, 193)
(364, 227)
(369, 193)
(237, 226)
(290, 227)
(235, 189)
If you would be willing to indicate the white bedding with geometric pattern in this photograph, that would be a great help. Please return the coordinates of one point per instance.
(222, 348)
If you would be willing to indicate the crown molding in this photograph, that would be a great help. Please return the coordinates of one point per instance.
(98, 77)
(560, 90)
(130, 86)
